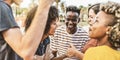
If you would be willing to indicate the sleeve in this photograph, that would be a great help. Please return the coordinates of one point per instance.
(6, 18)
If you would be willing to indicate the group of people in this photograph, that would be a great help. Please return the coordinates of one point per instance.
(70, 42)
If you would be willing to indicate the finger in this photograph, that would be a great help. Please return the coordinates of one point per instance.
(71, 45)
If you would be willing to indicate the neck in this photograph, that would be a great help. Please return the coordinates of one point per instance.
(103, 41)
(71, 31)
(9, 2)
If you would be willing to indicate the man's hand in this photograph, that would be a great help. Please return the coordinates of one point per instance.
(54, 53)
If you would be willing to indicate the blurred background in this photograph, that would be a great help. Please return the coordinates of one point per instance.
(21, 11)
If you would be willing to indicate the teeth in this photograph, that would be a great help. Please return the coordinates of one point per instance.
(70, 26)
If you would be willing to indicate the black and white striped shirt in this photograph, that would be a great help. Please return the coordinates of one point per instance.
(62, 38)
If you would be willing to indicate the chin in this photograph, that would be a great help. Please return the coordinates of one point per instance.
(70, 27)
(90, 35)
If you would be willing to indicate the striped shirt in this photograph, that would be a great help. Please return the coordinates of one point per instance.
(62, 38)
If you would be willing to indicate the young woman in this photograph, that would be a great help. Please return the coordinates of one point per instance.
(43, 52)
(92, 12)
(106, 29)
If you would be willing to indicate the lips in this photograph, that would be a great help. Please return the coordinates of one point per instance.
(70, 26)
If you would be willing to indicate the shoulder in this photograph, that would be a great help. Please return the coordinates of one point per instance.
(5, 9)
(92, 53)
(3, 5)
(95, 48)
(60, 29)
(81, 29)
(98, 50)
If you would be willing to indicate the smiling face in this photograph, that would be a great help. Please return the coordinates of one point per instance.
(91, 17)
(98, 28)
(53, 26)
(71, 20)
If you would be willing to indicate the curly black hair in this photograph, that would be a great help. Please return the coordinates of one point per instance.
(73, 9)
(52, 15)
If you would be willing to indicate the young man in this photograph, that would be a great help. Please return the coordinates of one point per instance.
(70, 33)
(11, 38)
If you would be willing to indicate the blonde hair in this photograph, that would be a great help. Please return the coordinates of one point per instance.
(113, 9)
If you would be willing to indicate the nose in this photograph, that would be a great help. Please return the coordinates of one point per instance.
(70, 22)
(90, 24)
(90, 28)
(56, 25)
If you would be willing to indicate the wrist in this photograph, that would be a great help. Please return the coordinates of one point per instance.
(75, 53)
(64, 56)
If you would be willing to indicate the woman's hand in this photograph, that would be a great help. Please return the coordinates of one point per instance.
(37, 57)
(71, 51)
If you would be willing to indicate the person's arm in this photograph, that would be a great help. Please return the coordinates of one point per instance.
(73, 52)
(25, 46)
(79, 55)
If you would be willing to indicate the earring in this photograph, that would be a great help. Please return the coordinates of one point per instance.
(107, 32)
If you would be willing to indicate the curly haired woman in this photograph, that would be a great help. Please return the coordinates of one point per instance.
(106, 29)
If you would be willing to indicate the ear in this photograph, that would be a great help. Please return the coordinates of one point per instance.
(108, 28)
(78, 20)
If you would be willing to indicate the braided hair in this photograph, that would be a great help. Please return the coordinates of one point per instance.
(113, 9)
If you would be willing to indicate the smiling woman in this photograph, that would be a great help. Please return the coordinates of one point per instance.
(108, 19)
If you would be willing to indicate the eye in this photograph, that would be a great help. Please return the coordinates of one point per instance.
(91, 17)
(95, 20)
(54, 23)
